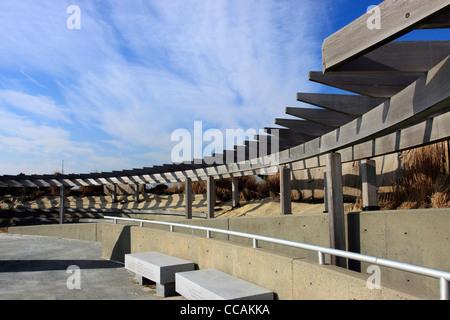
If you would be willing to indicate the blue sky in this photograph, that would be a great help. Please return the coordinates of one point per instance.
(108, 96)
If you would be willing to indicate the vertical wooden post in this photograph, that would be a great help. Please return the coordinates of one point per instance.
(211, 196)
(114, 193)
(136, 192)
(336, 207)
(325, 192)
(369, 185)
(285, 191)
(235, 192)
(188, 197)
(62, 204)
(447, 156)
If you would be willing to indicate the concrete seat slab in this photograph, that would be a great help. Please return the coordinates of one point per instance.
(156, 266)
(211, 284)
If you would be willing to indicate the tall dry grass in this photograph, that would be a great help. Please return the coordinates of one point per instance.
(425, 180)
(249, 188)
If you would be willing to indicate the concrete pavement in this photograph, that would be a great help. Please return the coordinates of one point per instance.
(44, 268)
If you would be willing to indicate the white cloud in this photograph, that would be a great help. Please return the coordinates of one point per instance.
(41, 106)
(137, 70)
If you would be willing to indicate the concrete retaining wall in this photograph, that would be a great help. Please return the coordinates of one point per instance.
(289, 276)
(415, 236)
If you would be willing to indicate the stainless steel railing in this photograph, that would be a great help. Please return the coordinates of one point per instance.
(444, 276)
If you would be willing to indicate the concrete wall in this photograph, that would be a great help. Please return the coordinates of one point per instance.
(84, 231)
(289, 276)
(415, 236)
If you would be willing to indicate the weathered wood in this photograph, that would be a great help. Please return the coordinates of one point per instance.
(62, 204)
(335, 198)
(439, 22)
(285, 191)
(289, 135)
(211, 197)
(188, 198)
(235, 192)
(347, 104)
(399, 57)
(369, 185)
(321, 116)
(303, 126)
(371, 85)
(396, 17)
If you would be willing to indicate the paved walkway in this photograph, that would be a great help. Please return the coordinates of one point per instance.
(36, 268)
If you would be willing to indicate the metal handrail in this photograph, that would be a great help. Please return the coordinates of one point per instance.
(444, 276)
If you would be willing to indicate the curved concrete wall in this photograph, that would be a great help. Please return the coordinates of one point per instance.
(416, 236)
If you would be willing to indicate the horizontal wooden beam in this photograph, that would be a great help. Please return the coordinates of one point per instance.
(399, 57)
(440, 22)
(426, 96)
(289, 135)
(347, 104)
(371, 85)
(395, 18)
(321, 116)
(303, 126)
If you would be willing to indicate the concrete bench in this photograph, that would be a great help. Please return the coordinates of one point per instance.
(159, 268)
(212, 284)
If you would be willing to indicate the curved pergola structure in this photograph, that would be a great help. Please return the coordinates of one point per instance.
(399, 98)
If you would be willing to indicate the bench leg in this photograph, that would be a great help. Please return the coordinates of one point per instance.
(166, 290)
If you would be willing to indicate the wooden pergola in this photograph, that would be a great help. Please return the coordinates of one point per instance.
(398, 98)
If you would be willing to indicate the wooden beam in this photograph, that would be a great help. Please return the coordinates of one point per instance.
(346, 104)
(426, 96)
(289, 135)
(321, 116)
(440, 22)
(371, 85)
(399, 57)
(396, 17)
(303, 126)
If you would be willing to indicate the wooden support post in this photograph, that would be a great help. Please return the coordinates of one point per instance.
(136, 192)
(188, 197)
(336, 207)
(211, 196)
(114, 193)
(24, 193)
(235, 192)
(285, 191)
(62, 204)
(447, 156)
(325, 192)
(369, 185)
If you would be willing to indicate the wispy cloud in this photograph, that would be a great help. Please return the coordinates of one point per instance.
(137, 70)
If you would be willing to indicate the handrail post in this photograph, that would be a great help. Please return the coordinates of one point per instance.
(445, 289)
(321, 258)
(255, 243)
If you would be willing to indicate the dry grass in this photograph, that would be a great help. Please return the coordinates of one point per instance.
(250, 188)
(424, 182)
